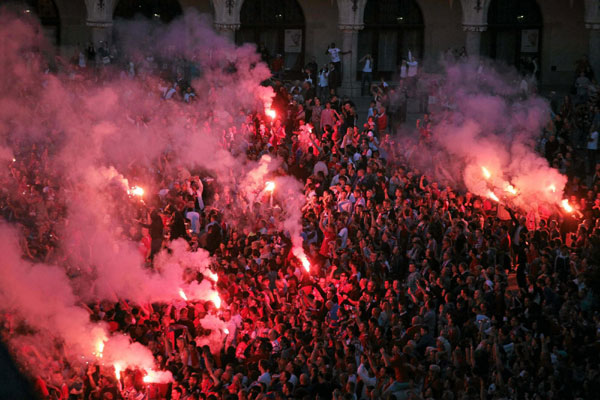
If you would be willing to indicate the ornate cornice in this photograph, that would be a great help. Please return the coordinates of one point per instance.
(99, 24)
(474, 28)
(350, 27)
(226, 27)
(595, 26)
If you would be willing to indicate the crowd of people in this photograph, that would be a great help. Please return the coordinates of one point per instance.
(575, 125)
(415, 291)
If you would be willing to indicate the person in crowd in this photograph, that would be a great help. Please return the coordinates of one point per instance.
(367, 74)
(334, 78)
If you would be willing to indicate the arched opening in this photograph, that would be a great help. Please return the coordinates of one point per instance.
(392, 28)
(277, 27)
(514, 33)
(47, 13)
(161, 10)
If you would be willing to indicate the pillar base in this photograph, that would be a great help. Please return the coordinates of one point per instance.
(100, 31)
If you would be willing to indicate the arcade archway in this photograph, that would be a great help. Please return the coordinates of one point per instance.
(47, 12)
(392, 28)
(162, 10)
(514, 33)
(277, 27)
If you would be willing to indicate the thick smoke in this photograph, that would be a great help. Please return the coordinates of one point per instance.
(41, 297)
(101, 129)
(488, 124)
(41, 303)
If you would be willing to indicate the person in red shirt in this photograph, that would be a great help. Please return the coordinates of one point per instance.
(382, 121)
(277, 66)
(329, 234)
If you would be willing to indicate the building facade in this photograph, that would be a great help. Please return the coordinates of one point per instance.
(551, 34)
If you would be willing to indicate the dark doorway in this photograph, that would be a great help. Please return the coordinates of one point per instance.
(276, 27)
(392, 28)
(514, 34)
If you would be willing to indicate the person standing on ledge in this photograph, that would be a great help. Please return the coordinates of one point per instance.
(334, 54)
(367, 74)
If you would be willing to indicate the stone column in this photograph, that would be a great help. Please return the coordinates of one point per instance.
(350, 22)
(99, 19)
(473, 40)
(474, 22)
(350, 59)
(227, 17)
(592, 23)
(594, 48)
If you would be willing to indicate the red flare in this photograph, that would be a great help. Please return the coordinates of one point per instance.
(566, 206)
(486, 173)
(271, 113)
(118, 369)
(182, 294)
(137, 191)
(493, 196)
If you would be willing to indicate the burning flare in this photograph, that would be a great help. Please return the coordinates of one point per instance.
(510, 189)
(214, 277)
(566, 206)
(269, 112)
(552, 188)
(137, 191)
(270, 186)
(118, 370)
(157, 376)
(226, 331)
(305, 262)
(486, 173)
(493, 196)
(216, 299)
(182, 294)
(99, 348)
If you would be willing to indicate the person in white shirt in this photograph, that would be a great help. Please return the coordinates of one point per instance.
(344, 203)
(343, 234)
(365, 375)
(372, 111)
(169, 92)
(322, 88)
(403, 70)
(81, 59)
(334, 54)
(367, 73)
(413, 67)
